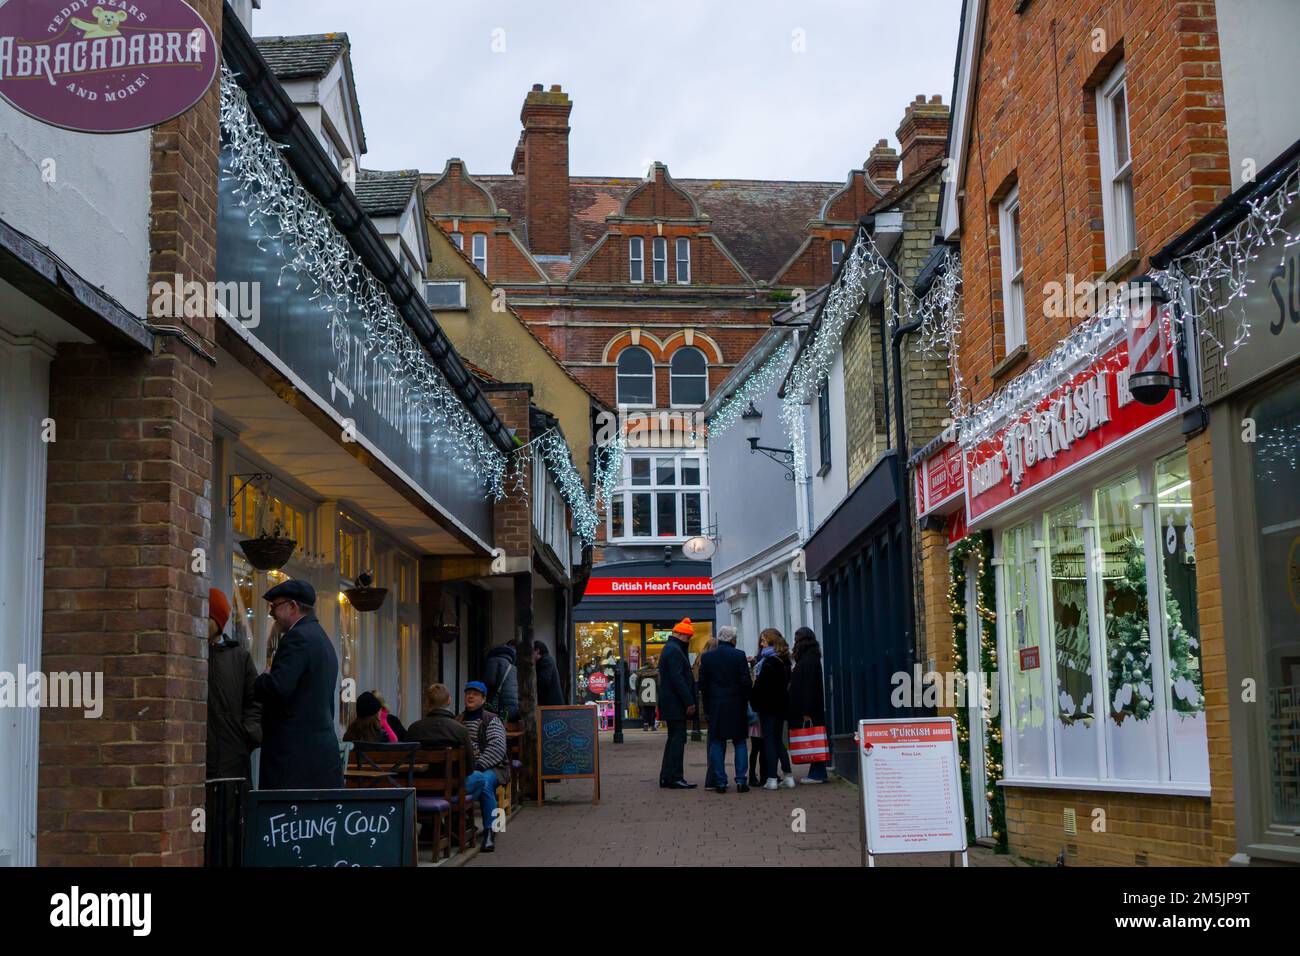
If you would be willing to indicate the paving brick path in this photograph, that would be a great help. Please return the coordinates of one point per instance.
(637, 824)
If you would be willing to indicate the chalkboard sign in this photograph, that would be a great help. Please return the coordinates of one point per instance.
(568, 745)
(373, 827)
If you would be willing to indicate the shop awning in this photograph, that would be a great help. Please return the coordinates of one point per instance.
(870, 501)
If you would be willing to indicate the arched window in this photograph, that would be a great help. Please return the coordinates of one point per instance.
(636, 377)
(690, 377)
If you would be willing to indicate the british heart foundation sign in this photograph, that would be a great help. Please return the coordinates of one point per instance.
(110, 66)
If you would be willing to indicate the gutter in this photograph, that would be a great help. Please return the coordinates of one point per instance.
(277, 113)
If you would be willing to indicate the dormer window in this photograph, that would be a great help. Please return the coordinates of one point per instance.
(837, 253)
(459, 239)
(636, 259)
(661, 259)
(683, 261)
(480, 252)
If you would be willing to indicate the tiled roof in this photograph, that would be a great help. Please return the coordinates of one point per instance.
(761, 222)
(386, 193)
(302, 56)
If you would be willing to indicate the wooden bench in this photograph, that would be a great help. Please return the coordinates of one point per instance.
(440, 793)
(381, 765)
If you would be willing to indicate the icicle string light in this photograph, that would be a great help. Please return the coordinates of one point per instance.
(302, 231)
(753, 388)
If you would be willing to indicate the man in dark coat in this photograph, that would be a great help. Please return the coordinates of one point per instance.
(300, 746)
(548, 677)
(502, 679)
(234, 716)
(440, 728)
(807, 695)
(725, 686)
(676, 703)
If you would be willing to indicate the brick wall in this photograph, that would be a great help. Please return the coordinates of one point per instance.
(1140, 830)
(545, 116)
(512, 526)
(128, 494)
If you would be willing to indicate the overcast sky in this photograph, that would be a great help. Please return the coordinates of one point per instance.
(762, 89)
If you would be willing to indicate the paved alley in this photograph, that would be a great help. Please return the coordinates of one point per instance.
(638, 824)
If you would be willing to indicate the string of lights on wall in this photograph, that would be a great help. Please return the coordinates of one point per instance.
(753, 388)
(304, 235)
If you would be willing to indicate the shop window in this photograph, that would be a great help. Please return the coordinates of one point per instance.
(1027, 711)
(689, 381)
(1274, 477)
(1130, 692)
(1076, 740)
(597, 650)
(1116, 167)
(1185, 688)
(636, 378)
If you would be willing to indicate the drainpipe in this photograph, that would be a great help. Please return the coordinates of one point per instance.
(900, 466)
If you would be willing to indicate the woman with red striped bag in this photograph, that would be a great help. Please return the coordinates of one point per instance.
(809, 742)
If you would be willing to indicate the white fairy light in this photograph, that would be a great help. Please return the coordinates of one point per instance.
(754, 386)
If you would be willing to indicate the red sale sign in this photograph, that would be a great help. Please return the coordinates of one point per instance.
(598, 682)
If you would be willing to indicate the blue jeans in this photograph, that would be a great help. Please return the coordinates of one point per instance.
(718, 760)
(481, 785)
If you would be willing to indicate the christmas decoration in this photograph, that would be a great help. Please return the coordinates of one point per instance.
(977, 548)
(753, 388)
(1128, 638)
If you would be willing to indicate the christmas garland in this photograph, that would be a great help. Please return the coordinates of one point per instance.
(979, 546)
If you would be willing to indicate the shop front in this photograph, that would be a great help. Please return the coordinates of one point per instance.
(1087, 496)
(1254, 401)
(627, 614)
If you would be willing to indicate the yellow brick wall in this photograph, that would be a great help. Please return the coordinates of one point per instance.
(1139, 829)
(936, 576)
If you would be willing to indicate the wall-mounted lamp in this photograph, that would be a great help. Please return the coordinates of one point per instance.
(753, 421)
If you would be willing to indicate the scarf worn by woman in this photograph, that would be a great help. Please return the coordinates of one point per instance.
(383, 722)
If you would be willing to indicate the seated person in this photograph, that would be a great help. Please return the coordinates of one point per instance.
(373, 723)
(439, 727)
(487, 737)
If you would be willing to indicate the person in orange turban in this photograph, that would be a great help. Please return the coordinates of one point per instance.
(676, 703)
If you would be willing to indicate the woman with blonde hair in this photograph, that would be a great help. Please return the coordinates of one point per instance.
(770, 698)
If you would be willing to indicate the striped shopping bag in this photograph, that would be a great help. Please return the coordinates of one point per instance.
(809, 745)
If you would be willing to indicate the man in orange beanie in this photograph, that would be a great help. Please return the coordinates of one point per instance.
(234, 716)
(676, 703)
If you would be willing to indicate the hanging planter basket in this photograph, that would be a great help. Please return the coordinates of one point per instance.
(268, 553)
(444, 633)
(363, 597)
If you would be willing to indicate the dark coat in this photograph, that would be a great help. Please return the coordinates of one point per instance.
(725, 686)
(234, 716)
(300, 747)
(807, 699)
(771, 693)
(548, 682)
(440, 728)
(501, 675)
(676, 682)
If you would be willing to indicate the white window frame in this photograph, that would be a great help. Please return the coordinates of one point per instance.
(1013, 272)
(836, 259)
(659, 270)
(458, 283)
(636, 259)
(618, 391)
(479, 246)
(674, 375)
(625, 490)
(1160, 781)
(683, 264)
(459, 239)
(1117, 209)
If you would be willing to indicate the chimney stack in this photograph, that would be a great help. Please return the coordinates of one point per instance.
(543, 157)
(923, 134)
(882, 165)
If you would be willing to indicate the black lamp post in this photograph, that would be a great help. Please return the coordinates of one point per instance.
(753, 421)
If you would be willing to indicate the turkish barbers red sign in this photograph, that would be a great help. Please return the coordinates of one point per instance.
(940, 479)
(104, 66)
(1065, 428)
(667, 587)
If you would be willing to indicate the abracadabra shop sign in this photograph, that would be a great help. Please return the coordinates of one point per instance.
(1092, 412)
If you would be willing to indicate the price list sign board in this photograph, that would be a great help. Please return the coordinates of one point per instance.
(911, 786)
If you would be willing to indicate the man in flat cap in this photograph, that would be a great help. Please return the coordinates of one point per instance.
(300, 747)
